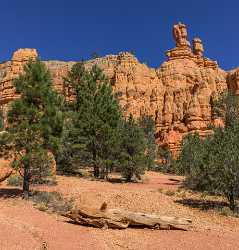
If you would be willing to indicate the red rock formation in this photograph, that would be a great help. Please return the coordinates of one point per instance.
(5, 169)
(233, 81)
(12, 70)
(177, 95)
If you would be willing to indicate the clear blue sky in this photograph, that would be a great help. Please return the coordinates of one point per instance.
(73, 29)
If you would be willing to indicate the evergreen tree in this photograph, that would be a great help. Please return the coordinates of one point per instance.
(95, 117)
(34, 123)
(167, 163)
(223, 164)
(133, 160)
(148, 126)
(212, 164)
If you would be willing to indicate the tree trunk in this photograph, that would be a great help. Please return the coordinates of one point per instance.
(96, 167)
(96, 171)
(232, 204)
(121, 219)
(26, 182)
(129, 177)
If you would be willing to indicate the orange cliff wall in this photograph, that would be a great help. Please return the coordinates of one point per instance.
(177, 95)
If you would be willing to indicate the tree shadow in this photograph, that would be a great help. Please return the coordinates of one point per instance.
(171, 184)
(202, 204)
(115, 180)
(175, 180)
(6, 193)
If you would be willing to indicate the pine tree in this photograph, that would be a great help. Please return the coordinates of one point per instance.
(148, 126)
(133, 158)
(34, 123)
(95, 117)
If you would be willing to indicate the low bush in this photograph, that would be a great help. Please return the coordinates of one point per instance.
(46, 181)
(14, 180)
(52, 201)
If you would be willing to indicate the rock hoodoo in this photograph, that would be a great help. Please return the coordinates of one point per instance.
(178, 95)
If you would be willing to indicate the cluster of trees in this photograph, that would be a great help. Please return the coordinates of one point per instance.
(212, 164)
(91, 131)
(88, 131)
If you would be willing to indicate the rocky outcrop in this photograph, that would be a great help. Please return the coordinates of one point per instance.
(5, 169)
(178, 95)
(10, 70)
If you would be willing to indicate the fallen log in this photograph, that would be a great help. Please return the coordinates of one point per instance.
(121, 219)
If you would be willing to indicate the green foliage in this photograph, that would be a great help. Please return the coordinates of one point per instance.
(193, 161)
(167, 163)
(6, 144)
(148, 126)
(133, 160)
(52, 201)
(14, 180)
(1, 121)
(227, 108)
(34, 123)
(92, 132)
(212, 164)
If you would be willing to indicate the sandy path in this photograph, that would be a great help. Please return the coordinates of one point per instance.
(24, 227)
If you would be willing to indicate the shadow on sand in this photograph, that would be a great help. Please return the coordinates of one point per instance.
(6, 193)
(202, 204)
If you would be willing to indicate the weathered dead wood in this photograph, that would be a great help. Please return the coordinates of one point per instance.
(121, 219)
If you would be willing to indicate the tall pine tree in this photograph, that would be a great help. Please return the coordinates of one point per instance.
(34, 123)
(96, 116)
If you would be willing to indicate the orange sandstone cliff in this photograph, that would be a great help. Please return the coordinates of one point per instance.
(178, 95)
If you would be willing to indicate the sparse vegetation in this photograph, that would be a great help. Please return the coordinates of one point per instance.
(212, 164)
(52, 202)
(14, 180)
(169, 192)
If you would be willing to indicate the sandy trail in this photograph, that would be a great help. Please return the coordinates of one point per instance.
(24, 227)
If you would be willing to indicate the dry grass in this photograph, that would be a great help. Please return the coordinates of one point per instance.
(52, 202)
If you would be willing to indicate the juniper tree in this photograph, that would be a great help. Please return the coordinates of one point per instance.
(212, 164)
(95, 117)
(34, 123)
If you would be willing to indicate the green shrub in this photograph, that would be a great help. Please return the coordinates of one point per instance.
(46, 181)
(52, 201)
(212, 164)
(14, 180)
(169, 192)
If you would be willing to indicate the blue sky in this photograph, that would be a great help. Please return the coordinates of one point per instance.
(74, 29)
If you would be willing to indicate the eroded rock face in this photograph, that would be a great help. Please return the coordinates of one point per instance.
(10, 70)
(5, 169)
(177, 95)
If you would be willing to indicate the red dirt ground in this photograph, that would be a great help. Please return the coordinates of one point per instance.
(23, 227)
